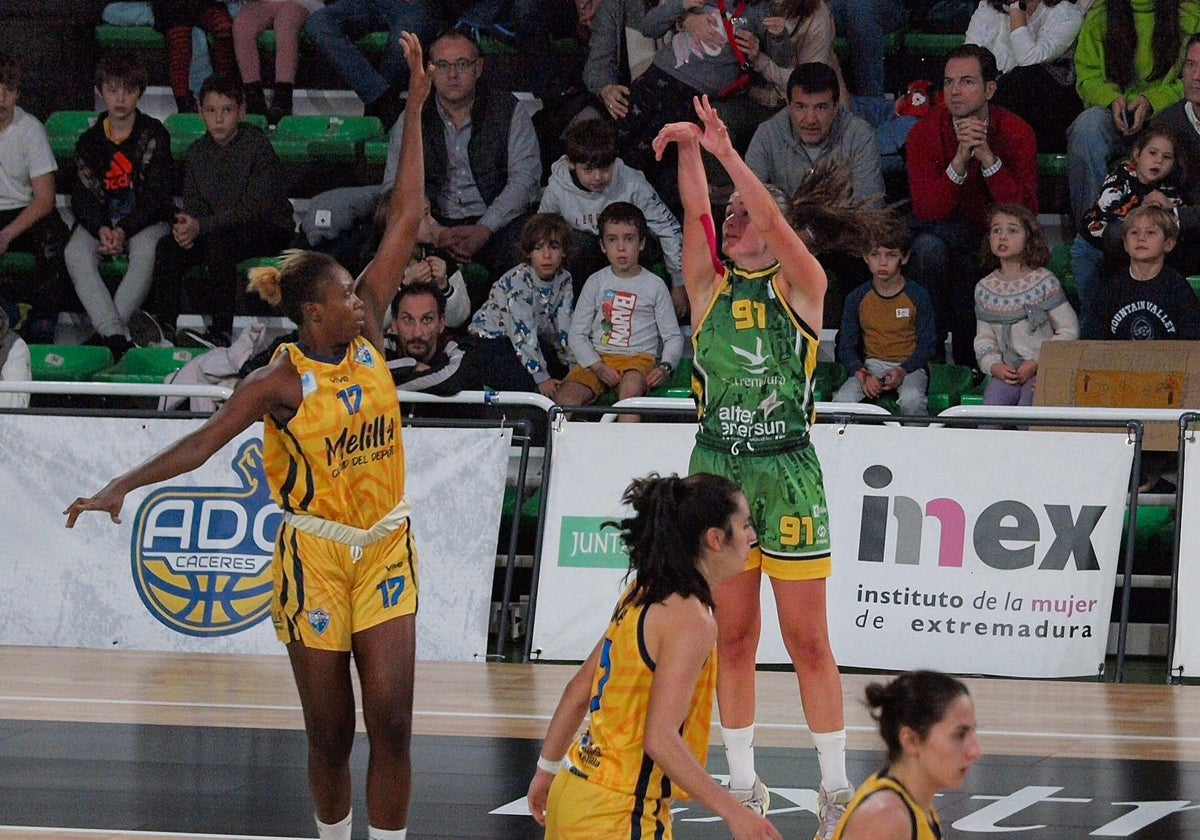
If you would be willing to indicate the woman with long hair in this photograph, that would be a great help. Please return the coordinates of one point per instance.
(756, 320)
(345, 537)
(648, 684)
(927, 722)
(1127, 64)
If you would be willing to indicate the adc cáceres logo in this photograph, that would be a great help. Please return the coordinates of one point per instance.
(201, 556)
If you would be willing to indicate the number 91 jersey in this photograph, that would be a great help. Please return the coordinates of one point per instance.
(340, 457)
(754, 366)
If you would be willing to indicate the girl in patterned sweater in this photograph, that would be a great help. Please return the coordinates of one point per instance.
(1017, 307)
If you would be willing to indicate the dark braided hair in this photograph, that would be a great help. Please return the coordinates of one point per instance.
(916, 699)
(665, 535)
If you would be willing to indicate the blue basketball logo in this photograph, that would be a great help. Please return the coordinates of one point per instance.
(201, 556)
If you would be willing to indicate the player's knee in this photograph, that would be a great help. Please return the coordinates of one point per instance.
(330, 744)
(390, 729)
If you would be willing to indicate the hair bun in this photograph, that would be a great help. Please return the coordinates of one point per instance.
(266, 281)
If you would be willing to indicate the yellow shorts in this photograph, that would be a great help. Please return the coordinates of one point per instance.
(581, 810)
(642, 363)
(323, 596)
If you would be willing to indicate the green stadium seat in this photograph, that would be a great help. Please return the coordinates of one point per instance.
(947, 384)
(329, 138)
(829, 377)
(149, 365)
(931, 45)
(975, 395)
(375, 152)
(185, 129)
(64, 129)
(1194, 282)
(17, 264)
(68, 362)
(114, 268)
(111, 37)
(1060, 267)
(489, 45)
(1052, 164)
(679, 385)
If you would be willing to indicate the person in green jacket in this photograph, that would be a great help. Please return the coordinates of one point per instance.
(1126, 70)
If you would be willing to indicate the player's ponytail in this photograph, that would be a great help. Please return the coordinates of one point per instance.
(665, 536)
(916, 699)
(295, 282)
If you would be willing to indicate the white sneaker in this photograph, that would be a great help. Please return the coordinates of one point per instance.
(757, 798)
(830, 807)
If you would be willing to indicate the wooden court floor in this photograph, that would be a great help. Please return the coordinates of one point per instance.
(118, 744)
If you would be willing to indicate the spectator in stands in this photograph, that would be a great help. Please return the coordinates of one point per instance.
(887, 334)
(1032, 42)
(176, 19)
(287, 18)
(786, 147)
(524, 325)
(696, 58)
(234, 207)
(1019, 305)
(622, 318)
(421, 355)
(335, 28)
(808, 24)
(28, 219)
(962, 158)
(1150, 176)
(122, 205)
(482, 161)
(1149, 301)
(866, 23)
(589, 178)
(1127, 69)
(15, 363)
(1183, 118)
(428, 264)
(606, 71)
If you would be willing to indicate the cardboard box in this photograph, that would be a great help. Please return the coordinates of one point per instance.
(1122, 374)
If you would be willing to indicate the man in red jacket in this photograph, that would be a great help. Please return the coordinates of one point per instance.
(964, 157)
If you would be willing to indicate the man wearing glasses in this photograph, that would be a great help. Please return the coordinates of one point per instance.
(482, 162)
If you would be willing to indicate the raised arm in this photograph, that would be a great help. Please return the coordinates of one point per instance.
(272, 388)
(382, 277)
(699, 273)
(803, 281)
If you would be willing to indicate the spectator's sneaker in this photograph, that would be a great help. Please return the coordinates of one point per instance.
(145, 331)
(830, 807)
(757, 798)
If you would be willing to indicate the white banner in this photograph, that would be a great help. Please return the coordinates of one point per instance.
(970, 551)
(189, 567)
(1185, 657)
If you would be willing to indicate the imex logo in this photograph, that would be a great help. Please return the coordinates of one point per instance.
(1006, 535)
(201, 556)
(585, 543)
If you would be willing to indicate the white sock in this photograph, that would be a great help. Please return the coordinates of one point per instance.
(739, 753)
(831, 756)
(374, 833)
(339, 830)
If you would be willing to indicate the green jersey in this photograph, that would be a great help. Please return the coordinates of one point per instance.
(753, 368)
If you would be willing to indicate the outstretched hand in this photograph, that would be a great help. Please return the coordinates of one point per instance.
(420, 75)
(715, 137)
(683, 133)
(108, 500)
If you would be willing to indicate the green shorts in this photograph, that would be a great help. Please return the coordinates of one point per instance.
(787, 503)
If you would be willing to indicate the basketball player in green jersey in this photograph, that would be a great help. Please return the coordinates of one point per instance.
(755, 327)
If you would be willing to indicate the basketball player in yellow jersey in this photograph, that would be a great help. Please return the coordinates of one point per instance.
(927, 722)
(649, 683)
(344, 566)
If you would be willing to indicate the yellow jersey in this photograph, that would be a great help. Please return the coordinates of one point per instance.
(925, 825)
(609, 752)
(340, 457)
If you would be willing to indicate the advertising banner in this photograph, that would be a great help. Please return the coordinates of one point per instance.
(188, 568)
(990, 552)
